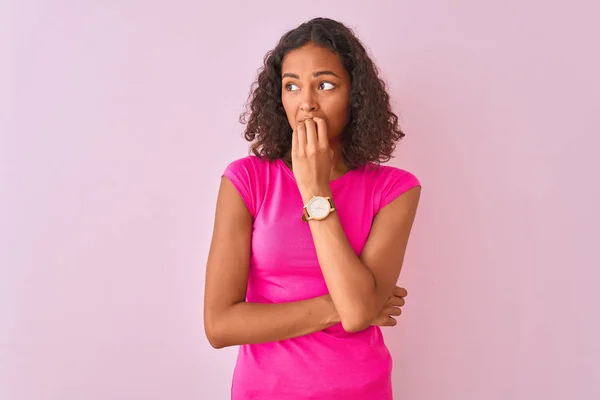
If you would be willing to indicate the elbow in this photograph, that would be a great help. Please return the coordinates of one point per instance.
(214, 336)
(357, 316)
(216, 342)
(356, 322)
(354, 326)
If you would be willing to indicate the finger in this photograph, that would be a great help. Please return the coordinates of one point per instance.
(396, 302)
(385, 321)
(301, 129)
(294, 141)
(311, 134)
(322, 136)
(396, 311)
(400, 291)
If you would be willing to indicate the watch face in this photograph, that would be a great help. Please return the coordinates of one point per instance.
(318, 207)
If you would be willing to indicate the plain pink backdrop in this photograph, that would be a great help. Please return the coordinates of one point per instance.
(118, 117)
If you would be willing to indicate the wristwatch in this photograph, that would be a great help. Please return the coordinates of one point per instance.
(318, 208)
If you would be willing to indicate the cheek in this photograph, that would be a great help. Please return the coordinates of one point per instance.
(290, 109)
(338, 115)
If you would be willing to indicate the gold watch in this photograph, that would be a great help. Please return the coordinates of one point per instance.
(318, 208)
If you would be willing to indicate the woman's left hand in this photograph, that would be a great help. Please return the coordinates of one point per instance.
(391, 308)
(312, 158)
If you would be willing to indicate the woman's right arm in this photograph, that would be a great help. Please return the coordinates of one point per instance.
(228, 319)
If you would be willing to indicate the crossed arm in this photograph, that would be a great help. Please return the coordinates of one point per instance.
(358, 287)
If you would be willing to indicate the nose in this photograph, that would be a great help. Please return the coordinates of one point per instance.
(309, 102)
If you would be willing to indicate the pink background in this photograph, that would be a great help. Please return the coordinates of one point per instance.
(118, 117)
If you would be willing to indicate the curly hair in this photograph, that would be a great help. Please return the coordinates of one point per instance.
(372, 131)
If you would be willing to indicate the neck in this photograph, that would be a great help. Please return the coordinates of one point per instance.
(338, 168)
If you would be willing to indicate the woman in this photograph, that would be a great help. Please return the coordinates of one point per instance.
(310, 231)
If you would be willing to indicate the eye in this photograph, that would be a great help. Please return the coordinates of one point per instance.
(326, 86)
(290, 87)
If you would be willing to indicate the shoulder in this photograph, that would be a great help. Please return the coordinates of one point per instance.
(250, 168)
(385, 175)
(388, 182)
(248, 163)
(250, 175)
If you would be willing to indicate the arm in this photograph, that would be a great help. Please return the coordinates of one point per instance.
(360, 286)
(228, 319)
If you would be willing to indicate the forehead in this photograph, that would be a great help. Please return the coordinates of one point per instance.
(310, 58)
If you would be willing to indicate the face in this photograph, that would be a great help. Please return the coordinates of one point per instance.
(315, 84)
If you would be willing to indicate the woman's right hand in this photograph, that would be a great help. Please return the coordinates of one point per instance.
(391, 308)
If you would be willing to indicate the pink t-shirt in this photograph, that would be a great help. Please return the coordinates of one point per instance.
(330, 364)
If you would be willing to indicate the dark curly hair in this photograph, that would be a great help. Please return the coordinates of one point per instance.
(372, 131)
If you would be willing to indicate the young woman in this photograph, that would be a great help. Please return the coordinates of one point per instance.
(311, 231)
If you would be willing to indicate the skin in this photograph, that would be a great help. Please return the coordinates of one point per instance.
(315, 85)
(359, 287)
(362, 291)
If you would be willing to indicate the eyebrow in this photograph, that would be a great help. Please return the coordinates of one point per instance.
(315, 74)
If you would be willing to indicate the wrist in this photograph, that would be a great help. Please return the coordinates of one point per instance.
(308, 192)
(331, 315)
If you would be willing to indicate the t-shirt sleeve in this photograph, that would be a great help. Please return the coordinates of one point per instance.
(240, 173)
(396, 182)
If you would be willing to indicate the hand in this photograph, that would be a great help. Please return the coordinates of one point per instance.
(312, 158)
(391, 308)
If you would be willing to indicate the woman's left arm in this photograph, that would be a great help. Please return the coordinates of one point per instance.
(360, 286)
